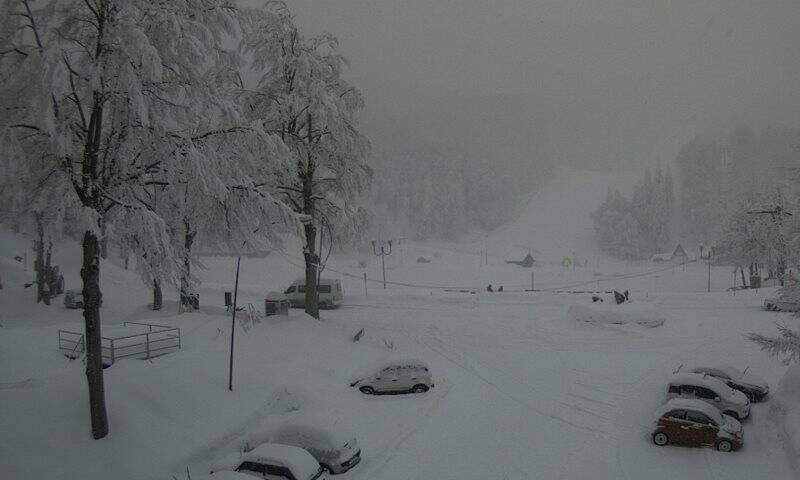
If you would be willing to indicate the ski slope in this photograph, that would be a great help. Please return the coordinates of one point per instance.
(523, 391)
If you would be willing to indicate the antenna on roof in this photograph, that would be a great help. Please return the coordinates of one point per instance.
(745, 370)
(678, 369)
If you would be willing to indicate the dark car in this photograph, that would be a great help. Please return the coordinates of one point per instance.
(754, 387)
(695, 423)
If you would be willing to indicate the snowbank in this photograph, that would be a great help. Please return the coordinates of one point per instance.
(787, 404)
(623, 314)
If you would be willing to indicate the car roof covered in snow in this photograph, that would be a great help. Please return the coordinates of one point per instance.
(298, 460)
(691, 404)
(404, 363)
(701, 380)
(228, 475)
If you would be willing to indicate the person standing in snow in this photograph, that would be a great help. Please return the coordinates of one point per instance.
(489, 288)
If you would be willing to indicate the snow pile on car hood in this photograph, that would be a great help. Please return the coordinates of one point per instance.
(623, 314)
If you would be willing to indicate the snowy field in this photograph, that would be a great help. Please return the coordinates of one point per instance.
(523, 390)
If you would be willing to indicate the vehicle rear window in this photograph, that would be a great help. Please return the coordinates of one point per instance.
(324, 288)
(290, 289)
(674, 389)
(687, 389)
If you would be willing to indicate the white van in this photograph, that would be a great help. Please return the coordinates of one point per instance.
(330, 293)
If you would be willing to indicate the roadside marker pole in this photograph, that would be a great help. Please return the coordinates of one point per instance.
(365, 284)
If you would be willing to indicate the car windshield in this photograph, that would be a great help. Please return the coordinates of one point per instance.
(732, 373)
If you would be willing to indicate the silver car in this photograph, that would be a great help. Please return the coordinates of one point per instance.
(398, 377)
(336, 452)
(710, 390)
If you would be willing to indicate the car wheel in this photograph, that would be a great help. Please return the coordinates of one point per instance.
(724, 446)
(368, 390)
(419, 388)
(731, 413)
(660, 439)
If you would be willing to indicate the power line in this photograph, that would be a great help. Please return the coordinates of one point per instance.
(293, 262)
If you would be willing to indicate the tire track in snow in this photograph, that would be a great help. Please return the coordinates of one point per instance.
(474, 373)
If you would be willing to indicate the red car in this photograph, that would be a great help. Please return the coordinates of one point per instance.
(696, 423)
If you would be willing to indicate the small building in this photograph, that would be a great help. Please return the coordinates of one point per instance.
(661, 257)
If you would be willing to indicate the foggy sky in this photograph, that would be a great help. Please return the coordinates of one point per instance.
(602, 83)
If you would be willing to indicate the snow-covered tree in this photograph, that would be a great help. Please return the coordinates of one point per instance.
(615, 228)
(786, 345)
(302, 97)
(116, 103)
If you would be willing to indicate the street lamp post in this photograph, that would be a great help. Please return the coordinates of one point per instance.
(711, 249)
(382, 253)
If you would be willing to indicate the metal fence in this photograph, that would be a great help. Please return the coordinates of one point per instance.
(156, 341)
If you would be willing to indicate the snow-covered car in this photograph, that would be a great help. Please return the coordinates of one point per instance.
(695, 423)
(397, 377)
(226, 475)
(272, 460)
(336, 451)
(755, 387)
(710, 390)
(776, 304)
(73, 299)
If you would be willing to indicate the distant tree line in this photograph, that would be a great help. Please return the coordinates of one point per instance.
(638, 227)
(432, 194)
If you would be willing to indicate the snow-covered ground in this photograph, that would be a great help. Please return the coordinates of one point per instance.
(522, 389)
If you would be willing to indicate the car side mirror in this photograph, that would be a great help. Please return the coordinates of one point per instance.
(717, 399)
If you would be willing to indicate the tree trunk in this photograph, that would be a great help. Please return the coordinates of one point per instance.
(90, 274)
(744, 284)
(186, 284)
(312, 259)
(158, 298)
(49, 281)
(38, 264)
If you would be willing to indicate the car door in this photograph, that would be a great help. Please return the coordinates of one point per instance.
(687, 391)
(702, 430)
(385, 379)
(675, 426)
(707, 395)
(404, 381)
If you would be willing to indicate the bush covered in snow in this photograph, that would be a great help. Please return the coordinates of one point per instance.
(623, 314)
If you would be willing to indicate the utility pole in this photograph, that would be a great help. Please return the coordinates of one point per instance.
(382, 253)
(233, 324)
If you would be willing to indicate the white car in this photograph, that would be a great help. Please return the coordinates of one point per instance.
(755, 387)
(336, 452)
(273, 461)
(710, 390)
(329, 290)
(397, 377)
